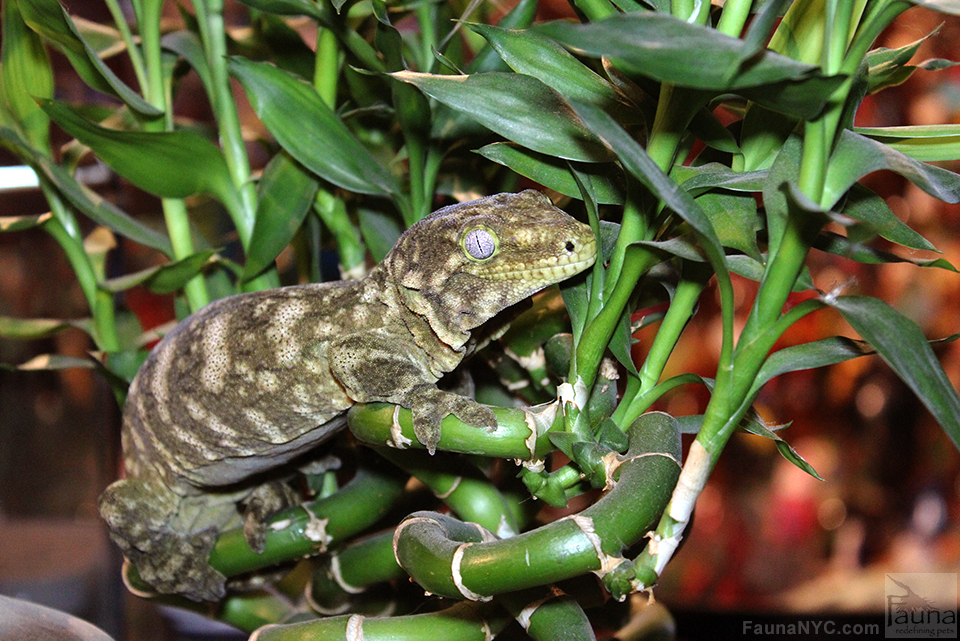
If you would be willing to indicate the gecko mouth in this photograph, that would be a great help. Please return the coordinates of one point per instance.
(556, 268)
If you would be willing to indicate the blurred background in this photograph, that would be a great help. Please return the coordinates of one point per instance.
(767, 538)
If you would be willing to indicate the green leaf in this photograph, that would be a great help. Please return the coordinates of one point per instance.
(812, 355)
(518, 107)
(310, 131)
(670, 50)
(51, 21)
(635, 160)
(169, 164)
(83, 198)
(26, 74)
(704, 177)
(888, 67)
(903, 346)
(531, 53)
(842, 246)
(162, 279)
(734, 217)
(748, 267)
(284, 196)
(553, 173)
(856, 156)
(48, 362)
(928, 143)
(380, 232)
(667, 49)
(864, 205)
(19, 223)
(33, 328)
(187, 45)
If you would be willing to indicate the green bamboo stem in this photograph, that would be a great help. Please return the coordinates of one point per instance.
(174, 211)
(100, 301)
(548, 615)
(213, 36)
(458, 560)
(136, 60)
(472, 497)
(461, 622)
(299, 531)
(326, 72)
(734, 17)
(344, 578)
(521, 433)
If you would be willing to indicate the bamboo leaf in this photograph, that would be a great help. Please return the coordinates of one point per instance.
(83, 198)
(734, 217)
(380, 232)
(518, 107)
(864, 205)
(33, 328)
(703, 177)
(310, 131)
(50, 20)
(553, 173)
(856, 156)
(162, 279)
(285, 194)
(26, 74)
(531, 53)
(812, 355)
(19, 223)
(662, 47)
(903, 346)
(927, 143)
(842, 246)
(52, 362)
(635, 160)
(169, 164)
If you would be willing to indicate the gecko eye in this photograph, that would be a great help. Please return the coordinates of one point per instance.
(480, 244)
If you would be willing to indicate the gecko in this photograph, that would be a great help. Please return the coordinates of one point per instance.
(250, 382)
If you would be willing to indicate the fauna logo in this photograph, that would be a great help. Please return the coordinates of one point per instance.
(921, 606)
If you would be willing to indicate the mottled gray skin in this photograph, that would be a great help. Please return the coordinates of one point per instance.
(251, 381)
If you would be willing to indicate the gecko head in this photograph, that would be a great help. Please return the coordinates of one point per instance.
(465, 263)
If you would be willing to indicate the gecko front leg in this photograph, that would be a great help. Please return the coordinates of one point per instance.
(378, 366)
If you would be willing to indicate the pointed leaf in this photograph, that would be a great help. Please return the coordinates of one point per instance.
(285, 194)
(309, 130)
(812, 355)
(518, 107)
(26, 74)
(19, 223)
(380, 232)
(842, 246)
(83, 198)
(53, 362)
(162, 279)
(703, 177)
(635, 160)
(927, 143)
(734, 216)
(670, 50)
(33, 328)
(187, 45)
(903, 346)
(553, 173)
(531, 53)
(864, 205)
(169, 164)
(50, 20)
(856, 156)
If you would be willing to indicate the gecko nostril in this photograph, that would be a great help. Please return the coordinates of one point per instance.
(571, 246)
